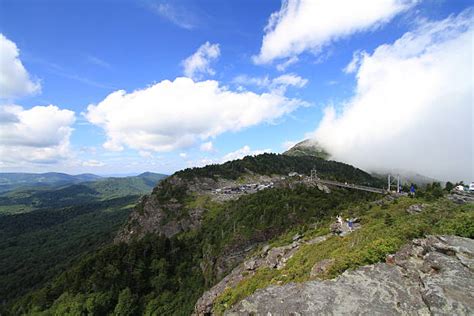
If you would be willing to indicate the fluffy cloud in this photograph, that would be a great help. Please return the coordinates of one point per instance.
(38, 135)
(14, 79)
(308, 25)
(199, 63)
(242, 152)
(412, 107)
(177, 114)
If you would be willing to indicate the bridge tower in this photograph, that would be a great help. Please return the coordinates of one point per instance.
(314, 175)
(392, 181)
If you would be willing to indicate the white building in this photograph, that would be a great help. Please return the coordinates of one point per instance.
(471, 187)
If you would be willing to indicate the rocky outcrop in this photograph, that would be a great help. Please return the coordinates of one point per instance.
(461, 197)
(432, 276)
(274, 258)
(167, 216)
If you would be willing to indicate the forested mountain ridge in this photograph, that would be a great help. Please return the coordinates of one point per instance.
(28, 198)
(12, 180)
(43, 230)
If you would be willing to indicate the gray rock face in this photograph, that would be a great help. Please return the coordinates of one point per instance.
(432, 276)
(170, 218)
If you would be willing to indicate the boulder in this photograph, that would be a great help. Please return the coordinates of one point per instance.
(429, 276)
(336, 228)
(415, 208)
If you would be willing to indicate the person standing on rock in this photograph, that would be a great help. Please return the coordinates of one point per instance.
(350, 224)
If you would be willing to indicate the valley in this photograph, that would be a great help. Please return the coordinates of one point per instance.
(44, 230)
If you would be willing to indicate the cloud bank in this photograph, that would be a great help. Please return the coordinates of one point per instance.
(309, 25)
(39, 135)
(199, 63)
(14, 79)
(413, 104)
(177, 114)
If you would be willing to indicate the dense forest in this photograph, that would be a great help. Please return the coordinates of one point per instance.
(44, 230)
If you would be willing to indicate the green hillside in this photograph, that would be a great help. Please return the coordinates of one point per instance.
(44, 230)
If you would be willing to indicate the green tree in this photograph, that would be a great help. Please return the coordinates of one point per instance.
(126, 304)
(449, 186)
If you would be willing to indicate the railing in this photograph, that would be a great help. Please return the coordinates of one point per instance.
(352, 186)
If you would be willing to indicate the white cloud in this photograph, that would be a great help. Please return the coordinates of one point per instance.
(37, 135)
(177, 114)
(289, 80)
(412, 108)
(199, 63)
(242, 152)
(93, 163)
(277, 85)
(207, 146)
(14, 79)
(309, 25)
(183, 155)
(177, 15)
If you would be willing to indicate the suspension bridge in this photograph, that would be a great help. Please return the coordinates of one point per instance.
(314, 178)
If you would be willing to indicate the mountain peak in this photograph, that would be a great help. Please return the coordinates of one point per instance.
(307, 147)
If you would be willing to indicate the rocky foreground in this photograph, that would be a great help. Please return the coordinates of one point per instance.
(432, 276)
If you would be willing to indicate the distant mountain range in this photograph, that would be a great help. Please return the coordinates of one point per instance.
(10, 181)
(27, 192)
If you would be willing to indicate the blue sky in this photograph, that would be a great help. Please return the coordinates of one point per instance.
(76, 53)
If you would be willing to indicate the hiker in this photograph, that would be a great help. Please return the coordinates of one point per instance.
(350, 223)
(339, 219)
